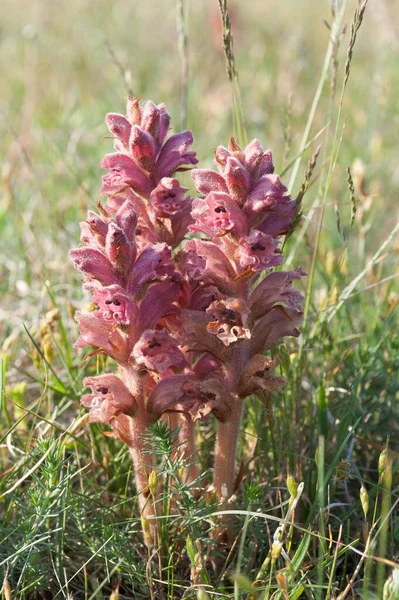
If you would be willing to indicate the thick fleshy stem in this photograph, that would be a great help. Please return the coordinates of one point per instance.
(189, 450)
(226, 452)
(228, 433)
(143, 459)
(144, 463)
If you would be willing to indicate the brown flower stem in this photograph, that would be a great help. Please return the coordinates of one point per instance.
(226, 452)
(133, 432)
(189, 449)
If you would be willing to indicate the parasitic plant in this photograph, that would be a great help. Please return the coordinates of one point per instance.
(187, 321)
(241, 219)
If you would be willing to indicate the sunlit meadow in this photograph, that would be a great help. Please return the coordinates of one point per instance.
(314, 508)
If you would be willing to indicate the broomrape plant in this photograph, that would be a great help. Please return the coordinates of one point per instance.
(188, 319)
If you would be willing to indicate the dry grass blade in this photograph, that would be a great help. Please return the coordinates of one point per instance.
(305, 185)
(125, 73)
(238, 112)
(183, 50)
(352, 196)
(227, 40)
(356, 24)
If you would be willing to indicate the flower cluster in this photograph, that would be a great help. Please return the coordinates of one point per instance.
(188, 324)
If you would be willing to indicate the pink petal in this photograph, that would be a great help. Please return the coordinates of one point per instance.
(119, 126)
(276, 288)
(174, 154)
(96, 331)
(94, 263)
(109, 398)
(277, 220)
(237, 180)
(207, 181)
(191, 396)
(126, 171)
(115, 305)
(258, 376)
(158, 351)
(279, 322)
(126, 218)
(208, 263)
(258, 251)
(268, 191)
(217, 214)
(164, 123)
(167, 198)
(150, 119)
(159, 302)
(142, 147)
(229, 320)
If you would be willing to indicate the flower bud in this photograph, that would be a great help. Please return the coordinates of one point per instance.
(364, 499)
(133, 111)
(292, 485)
(276, 550)
(152, 481)
(282, 581)
(47, 348)
(146, 531)
(382, 462)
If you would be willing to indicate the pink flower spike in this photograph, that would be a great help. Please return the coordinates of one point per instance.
(109, 398)
(258, 251)
(158, 351)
